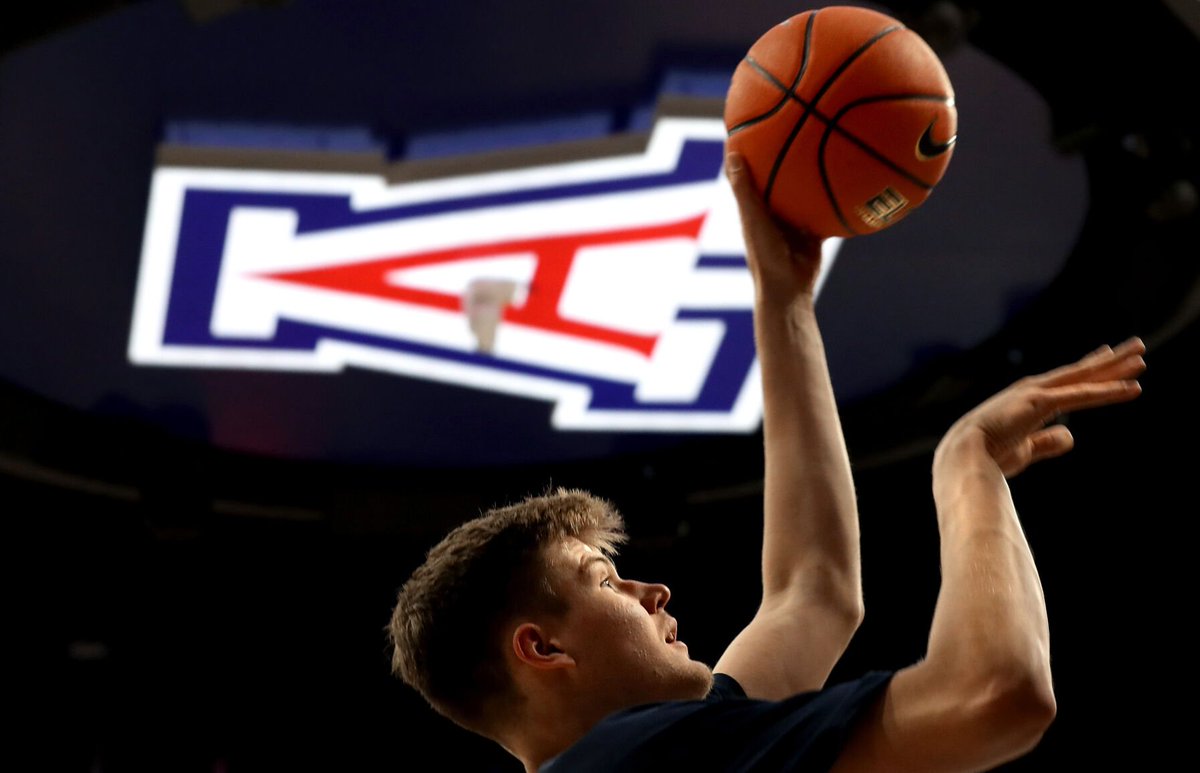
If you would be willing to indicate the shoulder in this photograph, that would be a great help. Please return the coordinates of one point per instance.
(724, 686)
(725, 731)
(850, 694)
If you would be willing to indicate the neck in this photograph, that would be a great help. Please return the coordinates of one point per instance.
(540, 735)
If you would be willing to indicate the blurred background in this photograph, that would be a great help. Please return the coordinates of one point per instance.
(218, 463)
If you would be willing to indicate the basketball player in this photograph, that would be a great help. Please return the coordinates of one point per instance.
(519, 626)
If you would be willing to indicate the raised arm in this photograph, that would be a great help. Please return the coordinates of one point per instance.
(812, 589)
(983, 694)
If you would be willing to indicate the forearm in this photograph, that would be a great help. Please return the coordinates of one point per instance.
(982, 695)
(812, 589)
(989, 627)
(811, 538)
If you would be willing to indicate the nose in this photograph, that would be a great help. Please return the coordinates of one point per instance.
(654, 596)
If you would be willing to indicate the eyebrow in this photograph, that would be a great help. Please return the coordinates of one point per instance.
(587, 562)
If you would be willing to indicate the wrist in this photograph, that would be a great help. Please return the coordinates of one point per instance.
(788, 308)
(963, 453)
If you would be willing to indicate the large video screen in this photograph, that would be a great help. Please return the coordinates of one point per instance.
(296, 237)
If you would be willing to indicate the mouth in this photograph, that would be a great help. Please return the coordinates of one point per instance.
(672, 636)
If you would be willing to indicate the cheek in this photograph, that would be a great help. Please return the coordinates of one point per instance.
(619, 631)
(637, 633)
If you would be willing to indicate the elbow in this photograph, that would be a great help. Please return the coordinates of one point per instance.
(844, 609)
(1017, 710)
(838, 596)
(846, 618)
(853, 613)
(841, 594)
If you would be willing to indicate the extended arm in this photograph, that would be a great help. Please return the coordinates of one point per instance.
(983, 693)
(812, 590)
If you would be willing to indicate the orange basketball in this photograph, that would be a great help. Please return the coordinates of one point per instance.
(845, 117)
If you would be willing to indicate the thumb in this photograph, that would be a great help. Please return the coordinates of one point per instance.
(735, 170)
(734, 163)
(1050, 442)
(742, 181)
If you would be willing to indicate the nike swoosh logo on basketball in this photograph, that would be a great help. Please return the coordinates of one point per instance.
(927, 149)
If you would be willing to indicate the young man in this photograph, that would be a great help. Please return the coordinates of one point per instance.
(519, 627)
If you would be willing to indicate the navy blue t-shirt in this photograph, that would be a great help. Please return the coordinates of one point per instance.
(726, 732)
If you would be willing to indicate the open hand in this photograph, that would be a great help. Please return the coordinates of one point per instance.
(1016, 426)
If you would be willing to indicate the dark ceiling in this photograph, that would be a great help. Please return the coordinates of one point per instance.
(188, 609)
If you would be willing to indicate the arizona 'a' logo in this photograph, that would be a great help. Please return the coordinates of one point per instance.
(615, 286)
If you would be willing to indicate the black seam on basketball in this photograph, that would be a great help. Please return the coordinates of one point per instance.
(808, 109)
(851, 59)
(833, 124)
(808, 33)
(825, 182)
(789, 92)
(817, 98)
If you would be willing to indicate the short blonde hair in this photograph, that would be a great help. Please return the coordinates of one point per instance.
(446, 628)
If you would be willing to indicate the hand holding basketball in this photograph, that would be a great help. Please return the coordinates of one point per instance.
(846, 119)
(784, 261)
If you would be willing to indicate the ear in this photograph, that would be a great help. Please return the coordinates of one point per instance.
(533, 646)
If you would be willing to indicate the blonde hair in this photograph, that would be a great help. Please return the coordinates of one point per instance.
(446, 628)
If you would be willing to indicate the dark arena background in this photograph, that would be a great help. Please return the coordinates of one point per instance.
(207, 523)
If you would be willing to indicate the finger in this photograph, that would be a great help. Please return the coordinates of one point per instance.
(1122, 365)
(741, 179)
(1050, 442)
(1103, 364)
(1131, 344)
(1123, 368)
(1077, 397)
(758, 227)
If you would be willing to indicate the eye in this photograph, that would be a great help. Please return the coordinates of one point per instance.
(607, 581)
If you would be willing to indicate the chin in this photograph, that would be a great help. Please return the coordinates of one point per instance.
(700, 681)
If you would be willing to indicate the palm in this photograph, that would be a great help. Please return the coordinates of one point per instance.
(1017, 424)
(782, 259)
